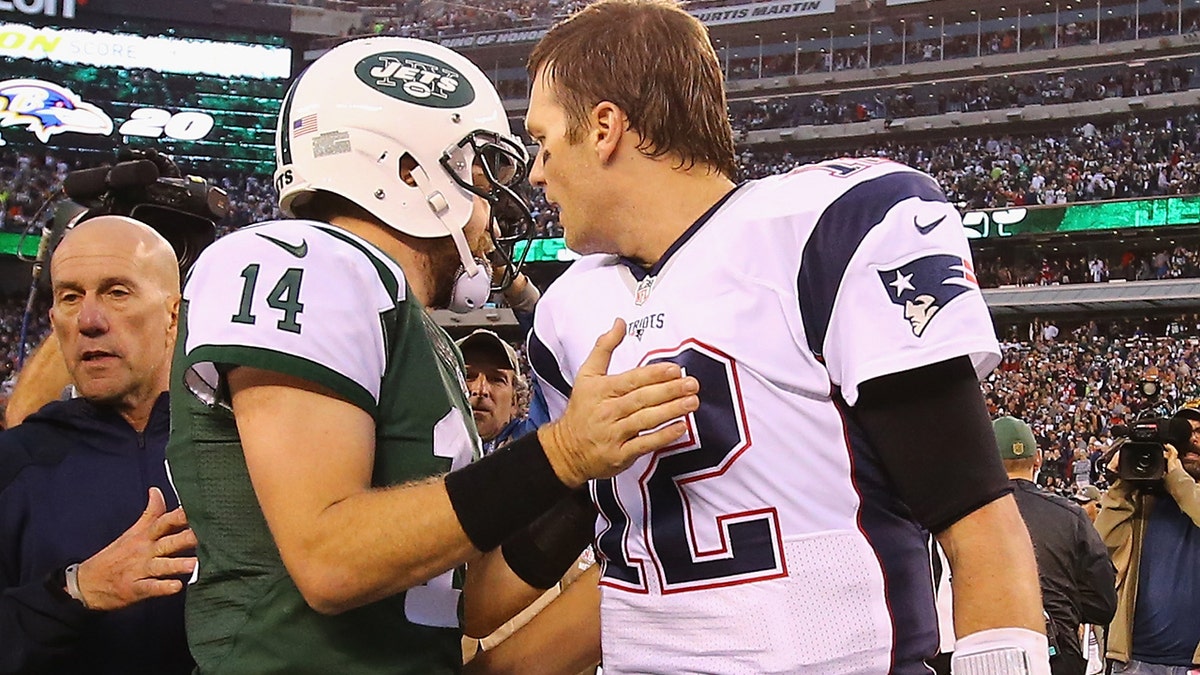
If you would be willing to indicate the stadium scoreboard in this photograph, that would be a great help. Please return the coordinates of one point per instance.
(206, 102)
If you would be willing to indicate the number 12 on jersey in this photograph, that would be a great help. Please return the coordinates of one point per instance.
(750, 546)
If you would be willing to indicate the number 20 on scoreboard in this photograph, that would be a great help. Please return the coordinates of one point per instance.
(156, 122)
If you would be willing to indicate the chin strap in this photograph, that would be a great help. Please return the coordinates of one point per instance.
(471, 291)
(473, 283)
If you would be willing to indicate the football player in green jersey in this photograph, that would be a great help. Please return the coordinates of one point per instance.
(322, 437)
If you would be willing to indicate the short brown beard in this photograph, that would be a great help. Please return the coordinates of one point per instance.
(1191, 464)
(439, 261)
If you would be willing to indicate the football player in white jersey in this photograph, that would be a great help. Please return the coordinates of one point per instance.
(316, 408)
(834, 322)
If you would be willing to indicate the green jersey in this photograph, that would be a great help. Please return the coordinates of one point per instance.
(313, 301)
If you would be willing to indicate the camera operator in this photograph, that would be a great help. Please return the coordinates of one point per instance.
(1152, 530)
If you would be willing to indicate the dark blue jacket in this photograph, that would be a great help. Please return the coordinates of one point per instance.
(73, 477)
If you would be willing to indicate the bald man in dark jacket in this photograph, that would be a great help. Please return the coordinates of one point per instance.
(93, 547)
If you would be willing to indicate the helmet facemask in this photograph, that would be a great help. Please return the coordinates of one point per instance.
(504, 164)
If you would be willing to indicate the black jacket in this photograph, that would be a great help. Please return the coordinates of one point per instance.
(1077, 577)
(73, 477)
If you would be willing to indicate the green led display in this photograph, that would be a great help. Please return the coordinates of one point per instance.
(1091, 216)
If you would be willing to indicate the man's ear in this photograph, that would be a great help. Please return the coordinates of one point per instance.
(173, 311)
(609, 125)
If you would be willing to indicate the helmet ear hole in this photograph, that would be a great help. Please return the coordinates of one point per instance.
(408, 164)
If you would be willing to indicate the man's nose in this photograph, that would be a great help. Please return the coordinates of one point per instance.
(93, 320)
(478, 386)
(537, 173)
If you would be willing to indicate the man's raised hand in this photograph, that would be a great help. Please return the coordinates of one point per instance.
(611, 420)
(139, 563)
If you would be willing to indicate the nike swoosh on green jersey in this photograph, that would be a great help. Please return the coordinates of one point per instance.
(298, 251)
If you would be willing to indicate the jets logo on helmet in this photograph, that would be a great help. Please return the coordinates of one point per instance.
(415, 78)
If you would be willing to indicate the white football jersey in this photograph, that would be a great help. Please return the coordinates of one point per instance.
(769, 540)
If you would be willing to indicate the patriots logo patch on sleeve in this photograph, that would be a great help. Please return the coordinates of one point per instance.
(925, 285)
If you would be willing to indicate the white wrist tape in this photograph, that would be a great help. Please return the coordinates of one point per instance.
(526, 300)
(1002, 651)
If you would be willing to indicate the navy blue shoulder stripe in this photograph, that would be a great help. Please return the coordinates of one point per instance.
(837, 235)
(542, 360)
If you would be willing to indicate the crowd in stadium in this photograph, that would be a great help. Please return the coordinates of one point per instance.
(817, 58)
(1048, 269)
(12, 312)
(413, 18)
(1073, 387)
(991, 94)
(1127, 157)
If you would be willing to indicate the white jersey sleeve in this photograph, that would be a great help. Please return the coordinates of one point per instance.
(887, 283)
(294, 297)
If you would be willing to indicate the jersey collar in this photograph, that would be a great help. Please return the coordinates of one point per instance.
(639, 273)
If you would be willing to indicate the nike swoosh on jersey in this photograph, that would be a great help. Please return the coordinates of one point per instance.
(298, 251)
(926, 229)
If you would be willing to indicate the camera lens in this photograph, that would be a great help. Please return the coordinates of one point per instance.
(1142, 463)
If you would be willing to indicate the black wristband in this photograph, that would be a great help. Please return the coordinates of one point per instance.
(504, 492)
(543, 552)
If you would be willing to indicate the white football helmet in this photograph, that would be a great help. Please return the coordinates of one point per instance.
(356, 112)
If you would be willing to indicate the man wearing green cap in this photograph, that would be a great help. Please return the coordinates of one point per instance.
(1088, 497)
(1077, 578)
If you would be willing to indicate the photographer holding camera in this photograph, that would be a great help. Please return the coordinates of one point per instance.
(1150, 521)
